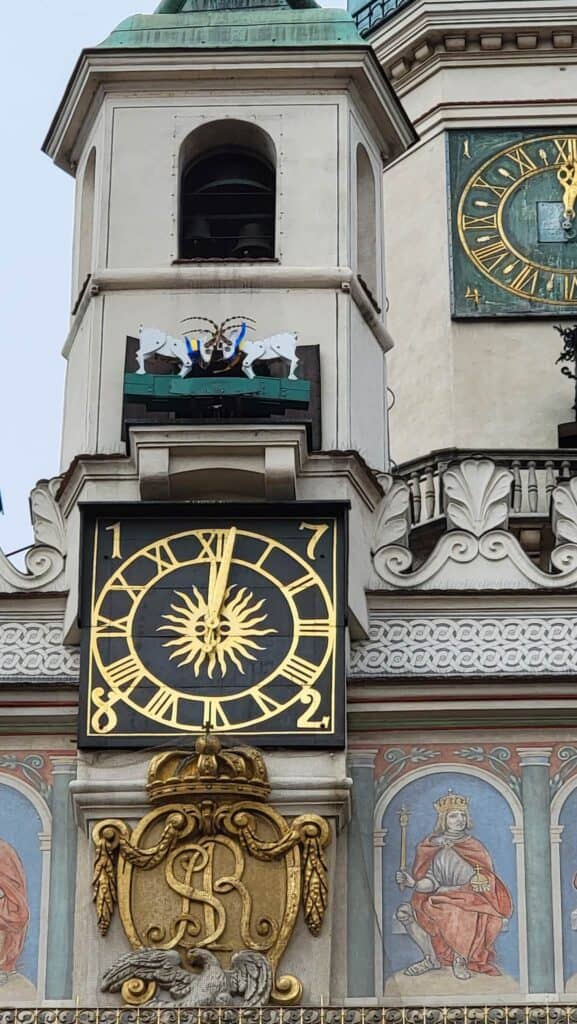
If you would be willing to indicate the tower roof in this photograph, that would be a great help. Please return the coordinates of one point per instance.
(216, 24)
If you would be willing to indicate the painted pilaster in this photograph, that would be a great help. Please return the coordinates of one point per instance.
(62, 882)
(538, 890)
(360, 875)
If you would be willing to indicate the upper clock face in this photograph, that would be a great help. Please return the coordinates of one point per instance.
(231, 617)
(514, 222)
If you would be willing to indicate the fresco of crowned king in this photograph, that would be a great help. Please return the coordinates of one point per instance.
(449, 890)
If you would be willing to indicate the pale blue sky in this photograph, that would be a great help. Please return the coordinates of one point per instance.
(42, 41)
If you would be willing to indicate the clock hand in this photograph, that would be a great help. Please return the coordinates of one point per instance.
(217, 587)
(567, 178)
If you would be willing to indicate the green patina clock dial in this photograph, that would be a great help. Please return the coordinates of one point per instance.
(513, 222)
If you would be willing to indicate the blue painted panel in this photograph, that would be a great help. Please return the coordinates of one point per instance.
(492, 819)
(20, 826)
(568, 819)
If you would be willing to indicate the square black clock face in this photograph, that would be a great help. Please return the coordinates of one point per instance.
(231, 616)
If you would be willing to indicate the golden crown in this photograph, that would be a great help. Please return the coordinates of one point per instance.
(451, 802)
(210, 771)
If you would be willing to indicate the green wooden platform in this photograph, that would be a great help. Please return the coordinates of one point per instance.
(268, 389)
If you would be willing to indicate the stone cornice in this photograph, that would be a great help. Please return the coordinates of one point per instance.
(427, 35)
(99, 72)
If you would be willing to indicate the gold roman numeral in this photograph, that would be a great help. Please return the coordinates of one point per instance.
(497, 190)
(491, 255)
(526, 280)
(266, 704)
(110, 627)
(303, 583)
(212, 545)
(569, 288)
(125, 674)
(162, 556)
(473, 223)
(315, 627)
(121, 583)
(164, 706)
(522, 160)
(566, 150)
(300, 671)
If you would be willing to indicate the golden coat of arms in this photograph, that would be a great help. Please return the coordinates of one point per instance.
(211, 874)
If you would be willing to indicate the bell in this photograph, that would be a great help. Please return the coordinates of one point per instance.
(197, 236)
(252, 242)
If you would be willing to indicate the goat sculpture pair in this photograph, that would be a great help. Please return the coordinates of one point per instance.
(225, 343)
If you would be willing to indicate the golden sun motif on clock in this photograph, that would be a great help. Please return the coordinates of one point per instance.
(516, 220)
(204, 636)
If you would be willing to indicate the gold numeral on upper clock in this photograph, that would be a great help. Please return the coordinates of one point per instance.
(115, 531)
(472, 223)
(522, 160)
(125, 674)
(526, 279)
(315, 627)
(318, 530)
(303, 583)
(162, 556)
(491, 255)
(569, 287)
(163, 705)
(300, 671)
(497, 190)
(306, 720)
(267, 551)
(566, 150)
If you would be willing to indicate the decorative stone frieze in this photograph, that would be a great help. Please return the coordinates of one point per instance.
(34, 651)
(463, 645)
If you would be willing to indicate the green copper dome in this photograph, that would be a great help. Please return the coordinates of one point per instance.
(233, 24)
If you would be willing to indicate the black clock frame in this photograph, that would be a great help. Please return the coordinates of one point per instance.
(204, 516)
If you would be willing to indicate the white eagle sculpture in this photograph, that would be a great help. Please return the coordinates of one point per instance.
(248, 983)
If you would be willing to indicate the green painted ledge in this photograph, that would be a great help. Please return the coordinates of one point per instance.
(163, 386)
(234, 29)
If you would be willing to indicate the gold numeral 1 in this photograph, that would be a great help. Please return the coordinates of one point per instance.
(115, 531)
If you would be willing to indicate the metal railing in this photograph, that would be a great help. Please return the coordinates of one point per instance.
(373, 14)
(535, 474)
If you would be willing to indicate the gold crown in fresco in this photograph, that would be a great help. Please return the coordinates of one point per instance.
(209, 771)
(451, 802)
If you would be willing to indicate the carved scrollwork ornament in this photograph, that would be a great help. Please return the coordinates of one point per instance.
(219, 872)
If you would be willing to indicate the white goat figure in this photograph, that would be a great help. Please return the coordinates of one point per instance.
(278, 346)
(188, 351)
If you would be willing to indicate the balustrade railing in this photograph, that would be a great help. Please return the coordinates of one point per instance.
(371, 15)
(535, 474)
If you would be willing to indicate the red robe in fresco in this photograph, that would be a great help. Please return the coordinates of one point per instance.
(461, 920)
(14, 912)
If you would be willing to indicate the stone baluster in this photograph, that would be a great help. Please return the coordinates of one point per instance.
(517, 490)
(532, 487)
(534, 763)
(550, 482)
(429, 493)
(360, 877)
(416, 493)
